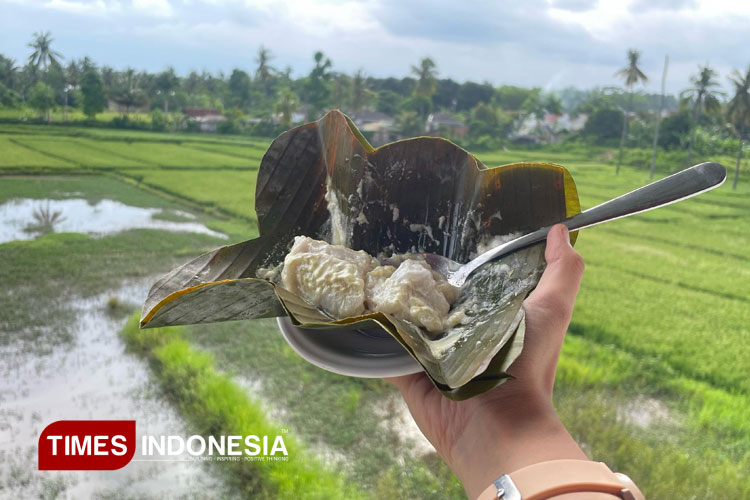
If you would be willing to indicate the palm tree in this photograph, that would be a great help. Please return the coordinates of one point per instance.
(426, 74)
(8, 72)
(43, 54)
(738, 112)
(361, 94)
(342, 90)
(632, 74)
(264, 72)
(129, 92)
(704, 97)
(286, 105)
(166, 83)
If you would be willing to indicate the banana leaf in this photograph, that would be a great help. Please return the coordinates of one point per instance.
(324, 180)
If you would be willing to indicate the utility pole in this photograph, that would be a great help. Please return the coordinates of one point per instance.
(658, 116)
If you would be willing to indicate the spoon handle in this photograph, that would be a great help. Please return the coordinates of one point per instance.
(689, 182)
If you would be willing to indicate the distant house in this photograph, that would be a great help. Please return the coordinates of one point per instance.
(206, 118)
(566, 122)
(444, 124)
(379, 128)
(532, 130)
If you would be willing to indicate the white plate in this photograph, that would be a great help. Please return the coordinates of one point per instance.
(355, 353)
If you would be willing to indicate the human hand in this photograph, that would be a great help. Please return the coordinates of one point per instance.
(515, 424)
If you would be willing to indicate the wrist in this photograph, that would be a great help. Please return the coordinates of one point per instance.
(500, 441)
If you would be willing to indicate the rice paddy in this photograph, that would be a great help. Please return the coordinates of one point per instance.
(660, 334)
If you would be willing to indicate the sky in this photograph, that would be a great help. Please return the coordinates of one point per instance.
(542, 43)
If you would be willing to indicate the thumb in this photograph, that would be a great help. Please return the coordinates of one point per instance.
(559, 285)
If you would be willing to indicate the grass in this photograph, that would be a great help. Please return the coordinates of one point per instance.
(215, 405)
(82, 152)
(352, 416)
(232, 192)
(252, 153)
(18, 156)
(171, 155)
(110, 134)
(89, 187)
(663, 311)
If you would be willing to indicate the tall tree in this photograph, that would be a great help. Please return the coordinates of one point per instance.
(318, 89)
(8, 72)
(166, 83)
(631, 75)
(703, 97)
(42, 99)
(92, 89)
(738, 112)
(129, 91)
(286, 105)
(240, 88)
(361, 93)
(341, 95)
(426, 74)
(264, 72)
(658, 118)
(43, 54)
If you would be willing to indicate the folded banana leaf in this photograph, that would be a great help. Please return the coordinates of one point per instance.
(324, 180)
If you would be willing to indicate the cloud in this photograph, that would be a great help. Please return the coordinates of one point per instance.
(523, 24)
(155, 8)
(646, 5)
(97, 8)
(574, 5)
(551, 43)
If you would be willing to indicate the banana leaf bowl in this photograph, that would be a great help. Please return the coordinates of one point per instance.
(324, 180)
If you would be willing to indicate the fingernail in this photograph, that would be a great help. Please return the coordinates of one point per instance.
(564, 234)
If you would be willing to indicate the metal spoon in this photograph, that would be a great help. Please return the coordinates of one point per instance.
(689, 182)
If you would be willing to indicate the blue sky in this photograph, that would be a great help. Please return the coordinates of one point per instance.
(545, 43)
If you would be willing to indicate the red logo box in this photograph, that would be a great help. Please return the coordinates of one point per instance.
(87, 445)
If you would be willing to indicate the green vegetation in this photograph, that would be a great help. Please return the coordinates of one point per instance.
(171, 155)
(39, 276)
(231, 192)
(215, 405)
(265, 101)
(355, 417)
(16, 155)
(657, 335)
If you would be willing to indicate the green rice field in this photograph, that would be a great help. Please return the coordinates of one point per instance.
(653, 378)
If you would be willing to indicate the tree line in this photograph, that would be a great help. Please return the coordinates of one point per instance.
(702, 116)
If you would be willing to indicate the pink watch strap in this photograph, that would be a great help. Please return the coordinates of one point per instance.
(559, 479)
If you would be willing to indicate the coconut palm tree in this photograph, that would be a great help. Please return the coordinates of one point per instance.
(287, 103)
(631, 74)
(738, 112)
(426, 74)
(264, 72)
(43, 54)
(703, 97)
(129, 92)
(361, 94)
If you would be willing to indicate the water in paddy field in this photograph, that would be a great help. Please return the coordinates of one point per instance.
(43, 380)
(25, 219)
(94, 378)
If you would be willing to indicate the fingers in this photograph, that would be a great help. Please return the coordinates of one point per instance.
(559, 285)
(411, 386)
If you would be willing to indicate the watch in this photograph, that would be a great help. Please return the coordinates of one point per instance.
(563, 479)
